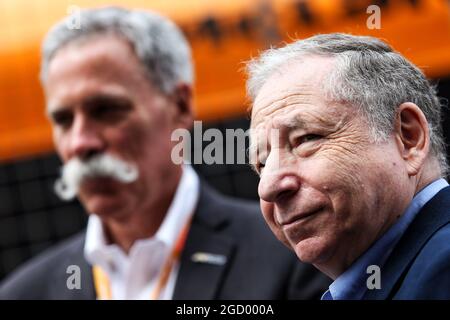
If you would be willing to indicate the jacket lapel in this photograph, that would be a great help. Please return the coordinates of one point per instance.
(431, 218)
(207, 253)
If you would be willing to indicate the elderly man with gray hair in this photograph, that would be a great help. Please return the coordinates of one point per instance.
(347, 140)
(116, 88)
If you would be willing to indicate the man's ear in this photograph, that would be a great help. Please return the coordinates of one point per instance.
(183, 115)
(413, 136)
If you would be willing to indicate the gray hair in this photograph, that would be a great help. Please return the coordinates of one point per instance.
(368, 75)
(158, 43)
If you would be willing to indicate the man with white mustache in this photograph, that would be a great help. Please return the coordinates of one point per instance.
(75, 171)
(116, 89)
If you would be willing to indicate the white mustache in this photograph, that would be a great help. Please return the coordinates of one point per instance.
(75, 171)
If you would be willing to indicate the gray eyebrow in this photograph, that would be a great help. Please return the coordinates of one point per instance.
(295, 122)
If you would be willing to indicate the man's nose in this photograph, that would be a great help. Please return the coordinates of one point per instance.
(278, 180)
(85, 139)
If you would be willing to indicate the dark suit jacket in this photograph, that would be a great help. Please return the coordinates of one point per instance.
(258, 266)
(419, 265)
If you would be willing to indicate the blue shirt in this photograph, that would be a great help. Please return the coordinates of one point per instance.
(351, 285)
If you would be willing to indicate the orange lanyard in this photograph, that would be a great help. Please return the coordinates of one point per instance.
(101, 282)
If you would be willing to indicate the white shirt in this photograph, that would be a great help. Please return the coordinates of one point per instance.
(134, 276)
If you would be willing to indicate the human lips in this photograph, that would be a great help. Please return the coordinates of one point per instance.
(290, 220)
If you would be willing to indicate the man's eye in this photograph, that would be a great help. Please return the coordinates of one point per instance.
(109, 112)
(306, 138)
(63, 120)
(100, 111)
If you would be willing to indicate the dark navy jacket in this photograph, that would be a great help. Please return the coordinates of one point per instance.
(419, 265)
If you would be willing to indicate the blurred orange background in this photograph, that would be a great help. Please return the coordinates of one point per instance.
(223, 35)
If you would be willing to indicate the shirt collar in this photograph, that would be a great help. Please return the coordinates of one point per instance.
(352, 283)
(98, 251)
(181, 208)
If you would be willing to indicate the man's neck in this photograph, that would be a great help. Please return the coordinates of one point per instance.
(430, 173)
(126, 232)
(141, 223)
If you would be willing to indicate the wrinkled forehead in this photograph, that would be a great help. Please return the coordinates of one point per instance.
(284, 104)
(299, 80)
(107, 52)
(97, 66)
